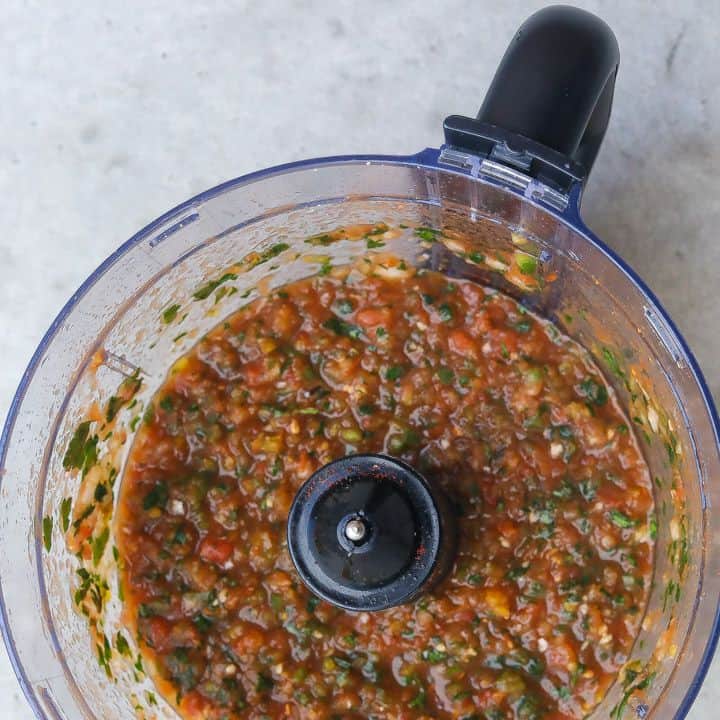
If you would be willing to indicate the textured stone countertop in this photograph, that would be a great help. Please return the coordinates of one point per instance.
(113, 112)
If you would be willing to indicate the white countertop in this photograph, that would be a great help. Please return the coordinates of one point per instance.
(113, 112)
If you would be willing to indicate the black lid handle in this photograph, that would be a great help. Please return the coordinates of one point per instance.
(555, 83)
(554, 87)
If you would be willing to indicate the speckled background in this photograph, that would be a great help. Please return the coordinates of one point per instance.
(110, 113)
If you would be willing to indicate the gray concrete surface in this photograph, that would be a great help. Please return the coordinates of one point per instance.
(110, 113)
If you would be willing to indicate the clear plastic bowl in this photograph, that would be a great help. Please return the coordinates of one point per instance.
(118, 309)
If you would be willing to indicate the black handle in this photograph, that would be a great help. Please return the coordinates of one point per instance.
(554, 87)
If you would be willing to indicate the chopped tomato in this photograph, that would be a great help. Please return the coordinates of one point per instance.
(216, 550)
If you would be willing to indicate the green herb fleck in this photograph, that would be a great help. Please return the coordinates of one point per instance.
(121, 644)
(264, 683)
(419, 700)
(340, 327)
(86, 513)
(427, 234)
(99, 544)
(270, 253)
(81, 453)
(621, 520)
(433, 655)
(446, 312)
(206, 290)
(445, 375)
(47, 532)
(322, 239)
(157, 497)
(517, 572)
(595, 393)
(394, 372)
(113, 406)
(65, 508)
(612, 362)
(653, 528)
(169, 314)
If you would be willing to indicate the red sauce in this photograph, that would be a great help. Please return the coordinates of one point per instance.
(555, 552)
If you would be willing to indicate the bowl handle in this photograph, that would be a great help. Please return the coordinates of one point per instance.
(549, 103)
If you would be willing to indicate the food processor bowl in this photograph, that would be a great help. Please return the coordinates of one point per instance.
(491, 207)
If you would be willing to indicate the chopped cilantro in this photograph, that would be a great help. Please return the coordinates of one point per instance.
(516, 572)
(202, 623)
(322, 239)
(99, 544)
(427, 234)
(264, 683)
(86, 513)
(121, 644)
(156, 498)
(653, 528)
(277, 603)
(113, 406)
(170, 313)
(47, 532)
(270, 253)
(344, 306)
(394, 372)
(340, 327)
(419, 700)
(596, 393)
(206, 290)
(620, 520)
(65, 508)
(612, 362)
(446, 312)
(81, 453)
(445, 375)
(433, 655)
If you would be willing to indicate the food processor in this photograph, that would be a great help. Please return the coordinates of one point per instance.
(509, 180)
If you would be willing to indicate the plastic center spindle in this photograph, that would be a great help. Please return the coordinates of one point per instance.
(368, 532)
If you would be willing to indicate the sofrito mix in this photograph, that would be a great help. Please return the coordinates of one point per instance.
(554, 499)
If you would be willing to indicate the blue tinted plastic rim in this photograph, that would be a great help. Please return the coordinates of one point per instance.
(425, 158)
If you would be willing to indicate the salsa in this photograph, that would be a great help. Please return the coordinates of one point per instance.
(509, 416)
